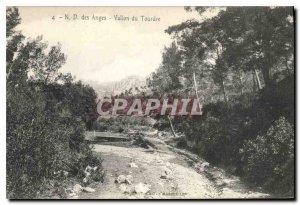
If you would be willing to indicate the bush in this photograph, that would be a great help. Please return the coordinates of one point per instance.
(216, 135)
(120, 123)
(40, 145)
(269, 159)
(46, 112)
(211, 138)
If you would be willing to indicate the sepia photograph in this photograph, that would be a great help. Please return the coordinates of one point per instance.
(168, 103)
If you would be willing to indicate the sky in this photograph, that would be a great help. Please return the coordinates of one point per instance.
(106, 50)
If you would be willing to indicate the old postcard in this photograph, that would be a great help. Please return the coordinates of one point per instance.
(150, 103)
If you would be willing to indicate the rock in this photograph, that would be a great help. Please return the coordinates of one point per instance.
(205, 164)
(173, 186)
(128, 179)
(133, 165)
(69, 190)
(72, 194)
(120, 179)
(88, 189)
(88, 170)
(123, 179)
(86, 180)
(163, 176)
(219, 182)
(201, 166)
(141, 188)
(128, 182)
(124, 189)
(56, 196)
(77, 188)
(62, 191)
(166, 173)
(159, 162)
(167, 170)
(65, 173)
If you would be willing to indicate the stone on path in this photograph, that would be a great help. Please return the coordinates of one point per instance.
(77, 188)
(202, 166)
(123, 179)
(141, 188)
(88, 189)
(133, 165)
(120, 179)
(124, 189)
(166, 173)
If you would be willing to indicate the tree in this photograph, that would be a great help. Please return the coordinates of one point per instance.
(203, 45)
(12, 20)
(167, 77)
(261, 37)
(44, 127)
(247, 54)
(45, 66)
(237, 40)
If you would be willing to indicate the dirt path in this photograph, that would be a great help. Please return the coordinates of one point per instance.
(163, 172)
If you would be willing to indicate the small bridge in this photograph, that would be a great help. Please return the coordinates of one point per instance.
(93, 136)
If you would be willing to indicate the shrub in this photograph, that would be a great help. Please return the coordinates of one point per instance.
(269, 159)
(45, 115)
(40, 145)
(210, 142)
(120, 123)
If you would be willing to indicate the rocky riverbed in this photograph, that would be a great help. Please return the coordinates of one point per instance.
(160, 171)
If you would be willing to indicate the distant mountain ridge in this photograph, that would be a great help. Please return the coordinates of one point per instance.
(117, 87)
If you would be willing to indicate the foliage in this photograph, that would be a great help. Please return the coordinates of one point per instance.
(120, 124)
(269, 159)
(242, 59)
(47, 114)
(166, 78)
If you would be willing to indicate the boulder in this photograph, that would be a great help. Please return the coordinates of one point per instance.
(141, 188)
(72, 194)
(88, 189)
(120, 179)
(165, 173)
(205, 164)
(163, 176)
(86, 180)
(124, 189)
(123, 179)
(201, 166)
(77, 188)
(133, 165)
(128, 179)
(65, 173)
(88, 170)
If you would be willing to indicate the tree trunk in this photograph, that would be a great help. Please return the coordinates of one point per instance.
(254, 81)
(287, 67)
(224, 93)
(241, 81)
(196, 90)
(172, 128)
(257, 79)
(266, 75)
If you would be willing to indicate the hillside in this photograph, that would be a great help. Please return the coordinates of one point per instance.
(117, 87)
